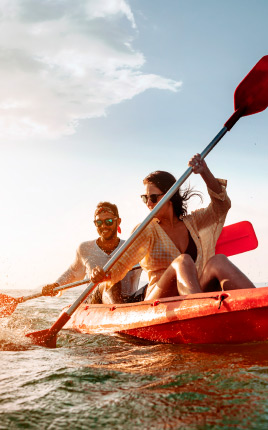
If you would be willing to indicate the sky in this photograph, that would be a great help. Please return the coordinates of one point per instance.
(94, 95)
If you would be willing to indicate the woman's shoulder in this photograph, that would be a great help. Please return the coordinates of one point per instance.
(149, 228)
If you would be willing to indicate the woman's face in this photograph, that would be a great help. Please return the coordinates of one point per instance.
(157, 194)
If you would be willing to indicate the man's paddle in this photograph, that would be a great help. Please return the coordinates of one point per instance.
(251, 96)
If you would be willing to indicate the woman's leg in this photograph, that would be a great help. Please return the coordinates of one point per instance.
(219, 271)
(179, 278)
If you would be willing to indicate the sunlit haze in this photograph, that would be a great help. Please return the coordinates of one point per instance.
(94, 95)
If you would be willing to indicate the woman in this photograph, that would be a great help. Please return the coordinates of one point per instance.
(178, 250)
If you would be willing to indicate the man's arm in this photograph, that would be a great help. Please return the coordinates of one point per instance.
(75, 272)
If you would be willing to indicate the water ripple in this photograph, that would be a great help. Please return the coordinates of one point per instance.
(118, 382)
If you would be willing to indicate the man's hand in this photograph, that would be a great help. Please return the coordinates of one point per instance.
(48, 290)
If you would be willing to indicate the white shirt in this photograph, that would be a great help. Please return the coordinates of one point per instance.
(88, 256)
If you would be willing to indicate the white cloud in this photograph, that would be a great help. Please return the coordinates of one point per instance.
(62, 61)
(108, 8)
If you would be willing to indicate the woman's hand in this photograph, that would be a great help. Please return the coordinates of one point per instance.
(198, 165)
(98, 275)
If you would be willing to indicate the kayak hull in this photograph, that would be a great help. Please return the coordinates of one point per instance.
(236, 316)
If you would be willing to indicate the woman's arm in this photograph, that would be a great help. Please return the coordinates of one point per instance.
(200, 167)
(220, 203)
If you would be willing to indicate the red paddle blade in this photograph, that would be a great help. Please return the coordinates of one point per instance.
(252, 93)
(43, 338)
(7, 305)
(237, 238)
(49, 337)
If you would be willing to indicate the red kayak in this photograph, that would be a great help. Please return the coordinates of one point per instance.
(235, 316)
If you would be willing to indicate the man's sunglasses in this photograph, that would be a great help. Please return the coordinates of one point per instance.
(107, 221)
(152, 197)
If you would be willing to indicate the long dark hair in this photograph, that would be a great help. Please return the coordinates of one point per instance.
(164, 181)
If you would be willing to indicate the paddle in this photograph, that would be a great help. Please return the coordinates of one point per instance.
(236, 238)
(251, 96)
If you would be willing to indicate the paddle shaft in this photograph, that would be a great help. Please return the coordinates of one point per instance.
(60, 288)
(136, 233)
(228, 125)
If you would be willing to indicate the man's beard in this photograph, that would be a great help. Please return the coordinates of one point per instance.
(112, 234)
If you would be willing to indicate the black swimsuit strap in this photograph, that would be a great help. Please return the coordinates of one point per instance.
(191, 248)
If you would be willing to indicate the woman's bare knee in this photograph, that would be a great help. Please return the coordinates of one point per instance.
(187, 278)
(183, 260)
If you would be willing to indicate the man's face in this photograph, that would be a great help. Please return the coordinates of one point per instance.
(107, 232)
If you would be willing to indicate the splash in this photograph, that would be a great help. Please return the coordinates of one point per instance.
(12, 333)
(13, 340)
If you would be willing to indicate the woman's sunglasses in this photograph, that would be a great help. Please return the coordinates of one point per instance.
(107, 221)
(152, 197)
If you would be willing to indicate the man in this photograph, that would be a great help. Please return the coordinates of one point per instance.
(97, 253)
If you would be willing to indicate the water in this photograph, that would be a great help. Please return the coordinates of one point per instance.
(113, 382)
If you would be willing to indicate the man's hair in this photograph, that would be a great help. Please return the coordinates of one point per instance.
(106, 207)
